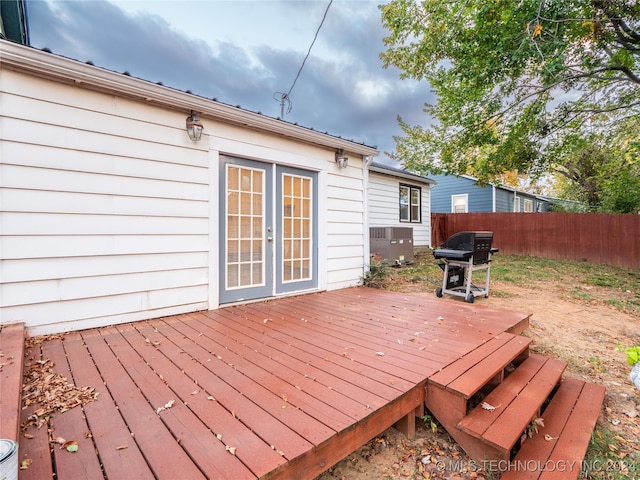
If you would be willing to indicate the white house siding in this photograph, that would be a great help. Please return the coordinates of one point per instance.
(384, 210)
(345, 230)
(109, 213)
(104, 209)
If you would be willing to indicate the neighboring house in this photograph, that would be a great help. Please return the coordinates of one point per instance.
(398, 198)
(110, 213)
(462, 194)
(13, 21)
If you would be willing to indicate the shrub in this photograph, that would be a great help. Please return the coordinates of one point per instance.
(378, 273)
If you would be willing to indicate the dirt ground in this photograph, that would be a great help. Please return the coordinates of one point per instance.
(588, 336)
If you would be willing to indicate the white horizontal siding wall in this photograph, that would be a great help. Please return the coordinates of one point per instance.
(384, 206)
(345, 226)
(104, 213)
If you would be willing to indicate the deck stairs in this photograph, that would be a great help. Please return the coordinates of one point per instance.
(513, 412)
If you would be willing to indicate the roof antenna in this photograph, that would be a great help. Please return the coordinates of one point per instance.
(283, 98)
(286, 97)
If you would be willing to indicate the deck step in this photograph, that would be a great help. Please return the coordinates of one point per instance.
(505, 413)
(12, 360)
(469, 374)
(560, 445)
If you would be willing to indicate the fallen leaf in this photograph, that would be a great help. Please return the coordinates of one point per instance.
(167, 405)
(70, 446)
(488, 406)
(231, 450)
(59, 440)
(380, 354)
(27, 435)
(121, 447)
(25, 463)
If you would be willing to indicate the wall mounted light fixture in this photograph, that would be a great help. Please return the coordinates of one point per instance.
(341, 159)
(194, 127)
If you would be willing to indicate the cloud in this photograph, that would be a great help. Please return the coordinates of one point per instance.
(342, 89)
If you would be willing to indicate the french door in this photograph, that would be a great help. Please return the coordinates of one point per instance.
(268, 230)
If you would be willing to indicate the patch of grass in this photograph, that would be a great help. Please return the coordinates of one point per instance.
(586, 282)
(523, 270)
(596, 364)
(603, 459)
(617, 303)
(501, 293)
(548, 350)
(579, 294)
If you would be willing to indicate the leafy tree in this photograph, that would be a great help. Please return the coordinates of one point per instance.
(517, 81)
(600, 170)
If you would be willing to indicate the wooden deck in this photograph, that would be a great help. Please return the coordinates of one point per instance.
(278, 389)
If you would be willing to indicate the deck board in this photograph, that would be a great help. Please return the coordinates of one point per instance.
(11, 366)
(159, 447)
(293, 385)
(251, 450)
(71, 426)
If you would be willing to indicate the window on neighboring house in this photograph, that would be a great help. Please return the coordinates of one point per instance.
(516, 203)
(460, 203)
(528, 205)
(410, 203)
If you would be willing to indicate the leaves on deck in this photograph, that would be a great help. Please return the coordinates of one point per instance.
(166, 406)
(9, 362)
(488, 406)
(52, 392)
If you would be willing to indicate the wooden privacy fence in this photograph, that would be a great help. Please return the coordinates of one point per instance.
(599, 238)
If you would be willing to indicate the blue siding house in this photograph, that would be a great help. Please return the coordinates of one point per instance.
(462, 194)
(13, 21)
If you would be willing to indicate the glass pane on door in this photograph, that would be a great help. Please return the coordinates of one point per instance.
(245, 227)
(296, 228)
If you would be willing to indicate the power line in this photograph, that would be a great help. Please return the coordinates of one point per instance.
(285, 97)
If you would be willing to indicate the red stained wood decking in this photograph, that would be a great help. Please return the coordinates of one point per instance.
(279, 389)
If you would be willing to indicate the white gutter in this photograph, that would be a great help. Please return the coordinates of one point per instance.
(54, 67)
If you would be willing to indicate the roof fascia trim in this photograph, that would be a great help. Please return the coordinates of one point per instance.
(65, 70)
(406, 176)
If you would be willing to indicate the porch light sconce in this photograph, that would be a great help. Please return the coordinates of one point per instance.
(194, 127)
(341, 159)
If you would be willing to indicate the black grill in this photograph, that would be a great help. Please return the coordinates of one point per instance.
(461, 255)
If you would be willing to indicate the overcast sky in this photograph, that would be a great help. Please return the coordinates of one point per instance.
(243, 52)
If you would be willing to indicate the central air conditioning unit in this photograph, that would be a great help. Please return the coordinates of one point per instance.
(393, 244)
